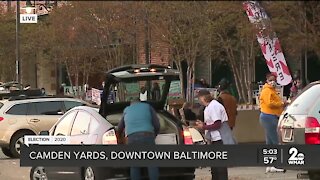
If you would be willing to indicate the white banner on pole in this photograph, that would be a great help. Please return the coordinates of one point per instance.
(269, 43)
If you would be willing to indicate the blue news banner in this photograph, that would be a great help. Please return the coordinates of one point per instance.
(305, 156)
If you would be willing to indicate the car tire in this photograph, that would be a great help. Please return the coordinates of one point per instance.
(16, 142)
(38, 173)
(7, 152)
(314, 174)
(92, 173)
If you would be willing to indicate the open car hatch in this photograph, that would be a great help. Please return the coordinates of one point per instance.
(126, 83)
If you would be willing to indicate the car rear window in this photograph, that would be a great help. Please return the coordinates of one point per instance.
(304, 102)
(18, 109)
(71, 104)
(46, 108)
(1, 104)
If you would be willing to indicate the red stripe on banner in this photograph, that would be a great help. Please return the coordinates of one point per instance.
(277, 47)
(270, 63)
(285, 68)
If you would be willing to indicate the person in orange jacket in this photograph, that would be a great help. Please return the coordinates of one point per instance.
(271, 107)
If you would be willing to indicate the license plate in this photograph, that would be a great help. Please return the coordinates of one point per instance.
(287, 135)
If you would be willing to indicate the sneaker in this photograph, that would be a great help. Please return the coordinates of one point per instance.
(274, 170)
(268, 169)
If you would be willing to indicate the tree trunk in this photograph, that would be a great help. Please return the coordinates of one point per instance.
(179, 67)
(69, 75)
(193, 81)
(189, 85)
(236, 80)
(77, 83)
(236, 73)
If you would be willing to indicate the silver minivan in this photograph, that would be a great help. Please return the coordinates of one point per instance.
(300, 121)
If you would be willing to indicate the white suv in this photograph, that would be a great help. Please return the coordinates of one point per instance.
(22, 116)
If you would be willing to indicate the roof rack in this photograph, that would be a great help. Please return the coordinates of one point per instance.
(138, 66)
(30, 92)
(23, 97)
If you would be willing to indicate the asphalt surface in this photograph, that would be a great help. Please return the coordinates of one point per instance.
(10, 170)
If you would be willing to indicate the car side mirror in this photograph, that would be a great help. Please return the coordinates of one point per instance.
(45, 133)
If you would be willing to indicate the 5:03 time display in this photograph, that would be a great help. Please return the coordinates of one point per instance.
(270, 151)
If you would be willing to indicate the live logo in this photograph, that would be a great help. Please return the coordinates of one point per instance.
(28, 18)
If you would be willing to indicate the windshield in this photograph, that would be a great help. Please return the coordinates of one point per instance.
(304, 102)
(149, 90)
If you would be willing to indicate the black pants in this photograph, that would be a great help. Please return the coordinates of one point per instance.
(219, 173)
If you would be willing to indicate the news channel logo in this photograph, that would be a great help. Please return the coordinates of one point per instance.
(296, 157)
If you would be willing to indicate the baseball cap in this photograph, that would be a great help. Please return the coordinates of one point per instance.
(203, 93)
(224, 84)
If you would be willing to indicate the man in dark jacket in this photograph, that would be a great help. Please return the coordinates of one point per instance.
(228, 101)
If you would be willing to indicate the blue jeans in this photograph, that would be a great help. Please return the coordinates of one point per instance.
(270, 123)
(135, 172)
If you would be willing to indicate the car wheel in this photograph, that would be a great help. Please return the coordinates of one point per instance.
(7, 152)
(16, 143)
(94, 173)
(38, 173)
(89, 174)
(314, 174)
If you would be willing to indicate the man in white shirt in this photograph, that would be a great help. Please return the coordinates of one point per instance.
(214, 115)
(143, 94)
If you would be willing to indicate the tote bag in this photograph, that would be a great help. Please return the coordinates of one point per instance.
(225, 133)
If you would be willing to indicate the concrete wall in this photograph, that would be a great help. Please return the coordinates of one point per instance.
(248, 128)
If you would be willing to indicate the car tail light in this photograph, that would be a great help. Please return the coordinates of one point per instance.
(109, 137)
(312, 131)
(1, 118)
(187, 136)
(136, 70)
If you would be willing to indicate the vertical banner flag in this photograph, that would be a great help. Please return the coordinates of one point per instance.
(269, 43)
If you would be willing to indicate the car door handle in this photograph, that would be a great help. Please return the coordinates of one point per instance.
(34, 120)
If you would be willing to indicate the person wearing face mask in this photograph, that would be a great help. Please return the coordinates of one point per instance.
(295, 89)
(271, 106)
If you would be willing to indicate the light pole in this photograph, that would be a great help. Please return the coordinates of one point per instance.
(28, 9)
(18, 74)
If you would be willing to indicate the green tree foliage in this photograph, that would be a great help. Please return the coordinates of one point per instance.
(7, 46)
(298, 24)
(184, 26)
(235, 42)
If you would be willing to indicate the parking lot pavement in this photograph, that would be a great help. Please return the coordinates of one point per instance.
(248, 173)
(10, 170)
